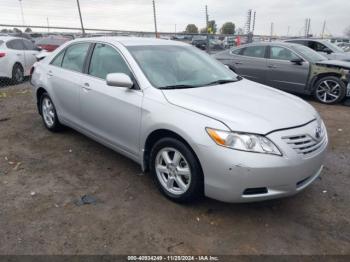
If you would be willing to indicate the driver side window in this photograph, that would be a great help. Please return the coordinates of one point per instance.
(106, 60)
(281, 53)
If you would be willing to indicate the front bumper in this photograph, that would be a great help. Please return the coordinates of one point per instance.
(236, 176)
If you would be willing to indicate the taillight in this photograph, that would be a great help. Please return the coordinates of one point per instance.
(2, 54)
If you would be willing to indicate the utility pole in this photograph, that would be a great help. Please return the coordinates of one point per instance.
(81, 19)
(254, 18)
(323, 29)
(20, 3)
(271, 32)
(207, 27)
(288, 30)
(155, 18)
(307, 27)
(48, 24)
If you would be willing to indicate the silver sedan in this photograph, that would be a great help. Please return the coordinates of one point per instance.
(195, 125)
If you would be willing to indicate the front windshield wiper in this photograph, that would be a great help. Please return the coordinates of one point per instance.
(177, 86)
(222, 81)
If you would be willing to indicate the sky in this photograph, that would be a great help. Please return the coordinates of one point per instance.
(138, 14)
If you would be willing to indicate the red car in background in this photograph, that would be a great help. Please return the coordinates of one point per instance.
(50, 43)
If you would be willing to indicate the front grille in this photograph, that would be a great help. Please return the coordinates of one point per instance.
(305, 144)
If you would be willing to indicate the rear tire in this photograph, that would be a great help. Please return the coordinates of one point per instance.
(330, 90)
(49, 114)
(176, 171)
(17, 74)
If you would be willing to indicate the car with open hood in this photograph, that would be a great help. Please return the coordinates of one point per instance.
(292, 68)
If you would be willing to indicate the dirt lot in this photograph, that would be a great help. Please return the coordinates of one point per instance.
(43, 174)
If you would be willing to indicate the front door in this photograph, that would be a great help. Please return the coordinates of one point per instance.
(284, 74)
(109, 112)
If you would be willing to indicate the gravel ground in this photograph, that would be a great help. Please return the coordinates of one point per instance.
(43, 174)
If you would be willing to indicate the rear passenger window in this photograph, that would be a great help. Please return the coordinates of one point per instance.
(281, 53)
(28, 45)
(15, 44)
(75, 56)
(106, 60)
(57, 61)
(254, 51)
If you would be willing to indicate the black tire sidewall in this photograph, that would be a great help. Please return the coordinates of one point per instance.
(56, 126)
(196, 188)
(342, 89)
(14, 69)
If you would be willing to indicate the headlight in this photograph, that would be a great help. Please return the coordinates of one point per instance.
(244, 141)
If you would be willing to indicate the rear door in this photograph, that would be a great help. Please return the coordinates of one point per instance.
(109, 112)
(251, 63)
(284, 74)
(65, 76)
(16, 53)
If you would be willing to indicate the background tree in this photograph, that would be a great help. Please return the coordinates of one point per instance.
(28, 30)
(191, 29)
(347, 31)
(16, 30)
(228, 28)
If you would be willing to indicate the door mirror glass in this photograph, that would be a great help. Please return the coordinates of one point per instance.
(119, 80)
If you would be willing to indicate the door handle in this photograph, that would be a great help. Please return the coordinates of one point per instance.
(86, 86)
(50, 73)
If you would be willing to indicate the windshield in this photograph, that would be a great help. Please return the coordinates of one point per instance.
(179, 66)
(333, 47)
(309, 54)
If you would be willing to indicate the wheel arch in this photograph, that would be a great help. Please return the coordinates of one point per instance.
(155, 136)
(316, 78)
(39, 92)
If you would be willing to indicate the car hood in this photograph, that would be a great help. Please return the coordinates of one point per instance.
(245, 106)
(342, 64)
(341, 56)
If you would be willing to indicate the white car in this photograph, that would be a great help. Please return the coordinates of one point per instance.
(17, 56)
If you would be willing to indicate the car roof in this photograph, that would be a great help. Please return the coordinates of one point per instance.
(285, 44)
(131, 41)
(307, 39)
(8, 38)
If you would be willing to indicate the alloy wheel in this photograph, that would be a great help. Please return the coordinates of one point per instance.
(48, 112)
(328, 91)
(18, 75)
(173, 171)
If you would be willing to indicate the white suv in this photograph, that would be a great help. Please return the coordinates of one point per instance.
(17, 56)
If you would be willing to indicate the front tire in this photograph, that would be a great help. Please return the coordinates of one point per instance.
(176, 170)
(330, 90)
(49, 114)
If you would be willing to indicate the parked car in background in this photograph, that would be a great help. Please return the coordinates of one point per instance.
(325, 48)
(194, 124)
(17, 55)
(290, 67)
(50, 43)
(229, 41)
(199, 42)
(344, 46)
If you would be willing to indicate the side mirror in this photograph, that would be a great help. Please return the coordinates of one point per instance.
(328, 51)
(119, 80)
(297, 61)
